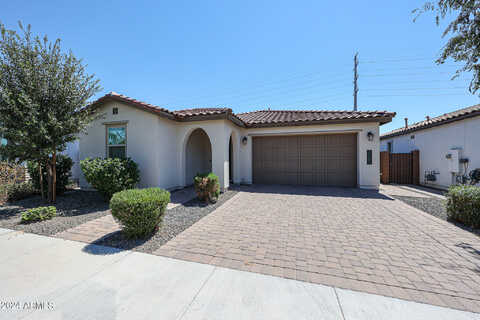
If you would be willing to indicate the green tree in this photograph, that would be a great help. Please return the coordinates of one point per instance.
(43, 94)
(464, 30)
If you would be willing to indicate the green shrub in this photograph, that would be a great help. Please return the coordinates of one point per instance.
(63, 167)
(110, 175)
(207, 186)
(139, 211)
(39, 214)
(16, 191)
(463, 205)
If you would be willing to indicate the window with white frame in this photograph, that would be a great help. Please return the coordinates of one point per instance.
(116, 141)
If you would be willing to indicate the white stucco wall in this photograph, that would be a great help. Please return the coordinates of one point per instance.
(218, 132)
(72, 151)
(159, 146)
(435, 143)
(402, 144)
(151, 143)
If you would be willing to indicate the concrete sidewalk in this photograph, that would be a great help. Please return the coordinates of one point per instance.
(49, 278)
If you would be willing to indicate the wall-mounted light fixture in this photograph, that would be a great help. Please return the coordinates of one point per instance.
(244, 140)
(370, 136)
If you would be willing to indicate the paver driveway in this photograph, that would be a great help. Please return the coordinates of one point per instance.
(348, 238)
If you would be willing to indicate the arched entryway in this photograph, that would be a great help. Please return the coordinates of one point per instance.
(198, 155)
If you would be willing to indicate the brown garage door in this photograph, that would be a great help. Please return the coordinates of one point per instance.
(329, 160)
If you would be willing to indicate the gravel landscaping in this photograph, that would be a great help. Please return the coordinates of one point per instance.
(434, 206)
(175, 221)
(73, 208)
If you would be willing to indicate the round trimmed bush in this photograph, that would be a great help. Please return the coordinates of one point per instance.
(139, 211)
(110, 175)
(463, 205)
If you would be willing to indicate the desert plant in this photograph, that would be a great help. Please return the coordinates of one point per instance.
(139, 211)
(463, 205)
(39, 214)
(64, 165)
(207, 186)
(110, 175)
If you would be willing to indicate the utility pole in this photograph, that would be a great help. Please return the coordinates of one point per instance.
(355, 78)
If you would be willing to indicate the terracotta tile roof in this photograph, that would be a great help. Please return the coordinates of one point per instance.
(300, 117)
(201, 111)
(133, 102)
(457, 115)
(262, 118)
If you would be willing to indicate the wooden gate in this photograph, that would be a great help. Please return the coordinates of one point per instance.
(402, 168)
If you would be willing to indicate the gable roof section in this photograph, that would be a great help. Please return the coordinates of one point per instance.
(198, 114)
(269, 118)
(457, 115)
(254, 119)
(200, 111)
(113, 96)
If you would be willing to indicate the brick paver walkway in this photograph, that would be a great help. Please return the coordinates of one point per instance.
(348, 238)
(96, 229)
(92, 230)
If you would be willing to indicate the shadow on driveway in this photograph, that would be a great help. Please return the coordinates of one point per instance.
(320, 191)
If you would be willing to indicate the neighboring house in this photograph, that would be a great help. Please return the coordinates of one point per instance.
(338, 148)
(443, 142)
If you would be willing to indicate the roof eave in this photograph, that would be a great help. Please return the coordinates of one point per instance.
(152, 110)
(225, 115)
(430, 125)
(381, 120)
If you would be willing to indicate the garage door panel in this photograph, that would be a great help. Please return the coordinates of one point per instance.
(306, 160)
(307, 179)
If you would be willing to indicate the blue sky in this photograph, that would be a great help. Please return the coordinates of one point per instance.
(251, 55)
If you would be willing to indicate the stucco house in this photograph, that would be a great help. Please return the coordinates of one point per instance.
(338, 148)
(448, 144)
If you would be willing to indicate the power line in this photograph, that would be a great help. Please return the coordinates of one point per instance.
(413, 68)
(235, 91)
(302, 83)
(398, 60)
(287, 98)
(313, 74)
(268, 96)
(413, 89)
(296, 99)
(261, 93)
(422, 81)
(321, 100)
(396, 74)
(418, 95)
